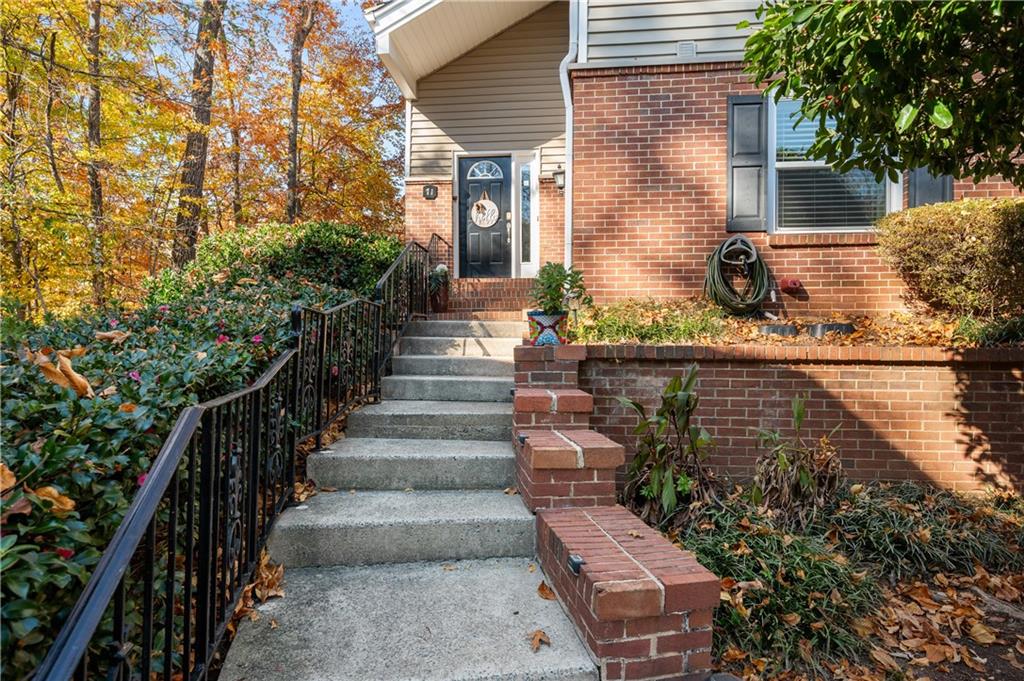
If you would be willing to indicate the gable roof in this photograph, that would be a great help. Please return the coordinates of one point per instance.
(417, 37)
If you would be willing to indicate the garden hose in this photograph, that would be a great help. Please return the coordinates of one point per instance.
(735, 252)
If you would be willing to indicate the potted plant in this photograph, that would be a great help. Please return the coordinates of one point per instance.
(437, 284)
(555, 290)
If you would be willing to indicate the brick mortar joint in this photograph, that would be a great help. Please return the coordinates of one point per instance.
(580, 461)
(661, 587)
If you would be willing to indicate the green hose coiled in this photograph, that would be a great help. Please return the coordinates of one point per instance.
(734, 252)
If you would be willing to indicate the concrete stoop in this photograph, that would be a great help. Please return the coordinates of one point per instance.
(419, 566)
(459, 621)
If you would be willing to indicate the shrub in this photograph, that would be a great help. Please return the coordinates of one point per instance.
(326, 252)
(792, 598)
(965, 256)
(650, 321)
(669, 464)
(795, 479)
(1000, 331)
(73, 463)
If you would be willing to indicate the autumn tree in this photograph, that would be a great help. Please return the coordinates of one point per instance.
(95, 140)
(304, 24)
(193, 164)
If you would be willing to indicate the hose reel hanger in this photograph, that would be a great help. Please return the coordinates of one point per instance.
(737, 252)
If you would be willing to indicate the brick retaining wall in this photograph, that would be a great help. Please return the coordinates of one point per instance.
(955, 419)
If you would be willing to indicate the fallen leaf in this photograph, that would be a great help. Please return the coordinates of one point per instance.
(982, 634)
(108, 391)
(448, 567)
(220, 277)
(791, 618)
(537, 638)
(200, 355)
(19, 507)
(733, 655)
(60, 504)
(856, 489)
(7, 478)
(247, 281)
(51, 372)
(635, 534)
(152, 329)
(77, 381)
(531, 568)
(545, 592)
(115, 337)
(126, 408)
(885, 659)
(511, 491)
(268, 581)
(273, 623)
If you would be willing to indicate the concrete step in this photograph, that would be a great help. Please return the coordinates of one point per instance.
(437, 328)
(427, 419)
(448, 388)
(463, 621)
(397, 464)
(361, 528)
(457, 346)
(441, 365)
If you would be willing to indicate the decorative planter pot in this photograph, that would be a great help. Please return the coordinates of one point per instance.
(547, 329)
(439, 300)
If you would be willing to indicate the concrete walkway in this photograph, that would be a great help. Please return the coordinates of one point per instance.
(420, 566)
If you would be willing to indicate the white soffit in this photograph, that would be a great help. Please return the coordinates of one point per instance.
(417, 37)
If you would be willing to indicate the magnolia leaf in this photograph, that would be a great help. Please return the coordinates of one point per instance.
(77, 381)
(545, 592)
(115, 337)
(126, 408)
(906, 117)
(61, 505)
(7, 478)
(76, 351)
(941, 116)
(538, 637)
(51, 372)
(885, 659)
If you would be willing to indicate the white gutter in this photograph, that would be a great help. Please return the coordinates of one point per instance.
(563, 77)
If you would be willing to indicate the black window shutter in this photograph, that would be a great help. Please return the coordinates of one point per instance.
(924, 188)
(747, 164)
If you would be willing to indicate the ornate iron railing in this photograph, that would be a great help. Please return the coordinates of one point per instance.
(160, 600)
(401, 293)
(161, 597)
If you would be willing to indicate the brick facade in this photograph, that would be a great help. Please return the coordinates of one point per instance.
(650, 195)
(950, 418)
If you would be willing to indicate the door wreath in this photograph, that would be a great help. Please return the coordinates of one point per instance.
(484, 212)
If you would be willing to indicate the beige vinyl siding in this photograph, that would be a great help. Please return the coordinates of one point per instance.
(620, 30)
(501, 96)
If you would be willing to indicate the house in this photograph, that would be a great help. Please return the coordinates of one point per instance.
(625, 139)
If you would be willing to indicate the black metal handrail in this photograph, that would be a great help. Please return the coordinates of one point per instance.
(218, 483)
(207, 504)
(402, 293)
(440, 251)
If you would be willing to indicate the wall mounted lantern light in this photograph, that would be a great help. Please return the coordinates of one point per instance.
(430, 192)
(559, 177)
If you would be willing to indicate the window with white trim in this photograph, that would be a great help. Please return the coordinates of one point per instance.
(807, 195)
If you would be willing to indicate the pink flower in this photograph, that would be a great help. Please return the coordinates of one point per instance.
(221, 339)
(141, 479)
(334, 370)
(257, 339)
(135, 376)
(113, 323)
(164, 308)
(65, 553)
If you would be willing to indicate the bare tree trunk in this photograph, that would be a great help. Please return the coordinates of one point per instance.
(12, 92)
(302, 30)
(236, 171)
(96, 226)
(193, 166)
(50, 96)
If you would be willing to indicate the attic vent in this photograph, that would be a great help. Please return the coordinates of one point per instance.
(686, 48)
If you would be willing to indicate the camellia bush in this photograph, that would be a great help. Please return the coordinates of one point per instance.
(87, 401)
(964, 256)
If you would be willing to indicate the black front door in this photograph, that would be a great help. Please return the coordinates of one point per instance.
(485, 216)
